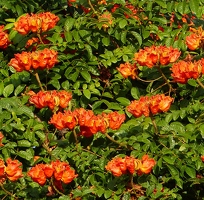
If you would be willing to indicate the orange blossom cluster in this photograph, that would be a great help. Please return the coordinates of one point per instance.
(128, 70)
(40, 22)
(89, 122)
(184, 70)
(119, 166)
(154, 104)
(60, 171)
(154, 55)
(50, 99)
(195, 39)
(11, 170)
(107, 18)
(41, 59)
(4, 38)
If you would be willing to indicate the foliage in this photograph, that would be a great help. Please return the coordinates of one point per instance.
(96, 42)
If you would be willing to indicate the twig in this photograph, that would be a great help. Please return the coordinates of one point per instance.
(7, 192)
(53, 185)
(38, 80)
(110, 138)
(148, 81)
(200, 83)
(154, 123)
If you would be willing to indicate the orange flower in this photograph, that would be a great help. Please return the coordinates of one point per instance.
(202, 158)
(48, 170)
(4, 38)
(2, 168)
(22, 25)
(193, 41)
(182, 71)
(114, 119)
(37, 174)
(31, 41)
(151, 56)
(107, 19)
(1, 138)
(58, 121)
(68, 175)
(69, 120)
(155, 104)
(117, 166)
(52, 99)
(168, 55)
(40, 22)
(139, 107)
(13, 170)
(127, 70)
(147, 165)
(160, 103)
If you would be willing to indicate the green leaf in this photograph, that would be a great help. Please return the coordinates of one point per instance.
(126, 196)
(69, 24)
(107, 194)
(1, 87)
(87, 93)
(68, 36)
(85, 74)
(106, 41)
(19, 89)
(190, 171)
(173, 170)
(138, 37)
(9, 26)
(135, 93)
(123, 101)
(122, 23)
(41, 135)
(192, 82)
(27, 111)
(123, 37)
(161, 3)
(23, 143)
(194, 6)
(28, 154)
(8, 90)
(12, 34)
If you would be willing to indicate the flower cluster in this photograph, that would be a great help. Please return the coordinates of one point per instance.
(128, 70)
(41, 59)
(11, 170)
(1, 138)
(4, 38)
(89, 122)
(195, 39)
(154, 104)
(107, 19)
(154, 55)
(40, 22)
(60, 171)
(184, 70)
(51, 99)
(119, 166)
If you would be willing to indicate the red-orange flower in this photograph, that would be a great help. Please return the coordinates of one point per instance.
(128, 70)
(147, 165)
(195, 39)
(1, 138)
(40, 22)
(114, 119)
(2, 168)
(151, 56)
(159, 103)
(202, 158)
(184, 70)
(68, 175)
(13, 170)
(139, 107)
(52, 99)
(4, 38)
(155, 104)
(107, 19)
(117, 166)
(37, 174)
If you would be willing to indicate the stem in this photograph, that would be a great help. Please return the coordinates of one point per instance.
(110, 138)
(38, 80)
(7, 192)
(154, 123)
(53, 185)
(39, 36)
(149, 81)
(75, 136)
(200, 83)
(90, 4)
(165, 79)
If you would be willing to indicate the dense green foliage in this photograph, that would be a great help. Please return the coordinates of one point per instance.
(89, 55)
